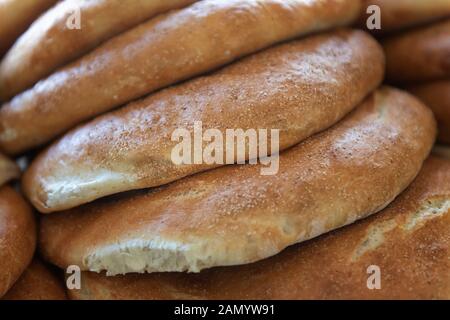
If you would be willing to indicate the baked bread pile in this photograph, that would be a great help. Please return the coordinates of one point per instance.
(419, 60)
(95, 109)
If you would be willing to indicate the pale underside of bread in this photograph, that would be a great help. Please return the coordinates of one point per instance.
(409, 241)
(419, 55)
(16, 16)
(436, 95)
(400, 14)
(299, 88)
(17, 237)
(37, 282)
(158, 53)
(233, 215)
(49, 43)
(8, 170)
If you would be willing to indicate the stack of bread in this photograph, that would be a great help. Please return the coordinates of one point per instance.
(418, 60)
(95, 106)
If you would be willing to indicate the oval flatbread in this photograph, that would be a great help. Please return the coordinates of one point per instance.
(234, 215)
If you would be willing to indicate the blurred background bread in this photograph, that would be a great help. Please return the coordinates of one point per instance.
(419, 55)
(436, 95)
(38, 282)
(16, 17)
(8, 170)
(17, 237)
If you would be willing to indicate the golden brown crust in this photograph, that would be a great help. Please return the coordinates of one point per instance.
(17, 237)
(49, 44)
(234, 215)
(38, 282)
(8, 170)
(409, 243)
(275, 89)
(16, 16)
(399, 14)
(167, 49)
(436, 95)
(419, 55)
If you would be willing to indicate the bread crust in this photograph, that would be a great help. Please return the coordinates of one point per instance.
(49, 44)
(436, 95)
(410, 247)
(38, 282)
(419, 55)
(8, 170)
(233, 215)
(400, 14)
(165, 50)
(17, 237)
(283, 88)
(17, 15)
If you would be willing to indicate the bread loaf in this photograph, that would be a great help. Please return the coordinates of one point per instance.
(16, 17)
(420, 55)
(409, 242)
(234, 215)
(282, 88)
(436, 95)
(49, 43)
(158, 53)
(38, 282)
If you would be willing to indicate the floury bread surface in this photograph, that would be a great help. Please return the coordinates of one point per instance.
(158, 53)
(233, 215)
(49, 44)
(409, 241)
(299, 88)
